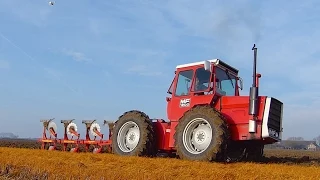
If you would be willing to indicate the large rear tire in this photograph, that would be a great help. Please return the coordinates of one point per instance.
(201, 135)
(133, 135)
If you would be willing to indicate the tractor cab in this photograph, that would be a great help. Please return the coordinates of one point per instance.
(200, 83)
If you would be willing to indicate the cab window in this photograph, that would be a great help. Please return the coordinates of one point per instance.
(184, 82)
(170, 90)
(202, 79)
(225, 82)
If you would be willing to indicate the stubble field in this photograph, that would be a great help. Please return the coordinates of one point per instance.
(26, 163)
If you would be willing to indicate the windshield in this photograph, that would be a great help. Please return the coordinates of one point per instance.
(225, 82)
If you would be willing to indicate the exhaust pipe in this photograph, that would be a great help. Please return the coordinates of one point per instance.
(253, 98)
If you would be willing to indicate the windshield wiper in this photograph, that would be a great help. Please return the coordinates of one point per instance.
(227, 72)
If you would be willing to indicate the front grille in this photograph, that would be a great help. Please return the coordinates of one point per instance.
(274, 120)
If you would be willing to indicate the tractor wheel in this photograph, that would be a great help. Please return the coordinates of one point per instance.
(201, 135)
(133, 135)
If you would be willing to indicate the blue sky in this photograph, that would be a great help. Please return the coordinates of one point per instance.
(97, 59)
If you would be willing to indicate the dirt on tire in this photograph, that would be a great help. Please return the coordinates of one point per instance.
(146, 142)
(219, 137)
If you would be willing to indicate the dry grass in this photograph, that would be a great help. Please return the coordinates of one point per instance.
(36, 164)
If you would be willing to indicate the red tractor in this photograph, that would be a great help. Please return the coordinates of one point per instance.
(209, 120)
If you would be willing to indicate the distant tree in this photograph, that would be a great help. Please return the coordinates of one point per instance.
(295, 144)
(8, 135)
(295, 139)
(317, 140)
(298, 146)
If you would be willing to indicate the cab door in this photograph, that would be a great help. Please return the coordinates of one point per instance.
(192, 86)
(180, 101)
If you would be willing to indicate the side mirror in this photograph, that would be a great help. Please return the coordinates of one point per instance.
(240, 82)
(207, 65)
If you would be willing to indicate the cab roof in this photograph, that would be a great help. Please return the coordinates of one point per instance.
(212, 61)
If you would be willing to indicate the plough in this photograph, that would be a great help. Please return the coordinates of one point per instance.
(71, 140)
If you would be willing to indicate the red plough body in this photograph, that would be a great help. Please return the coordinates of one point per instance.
(71, 129)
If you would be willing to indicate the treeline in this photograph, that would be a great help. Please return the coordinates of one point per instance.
(8, 135)
(298, 143)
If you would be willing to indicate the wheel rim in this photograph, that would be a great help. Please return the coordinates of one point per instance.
(197, 136)
(128, 136)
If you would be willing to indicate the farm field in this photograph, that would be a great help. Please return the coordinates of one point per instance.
(34, 163)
